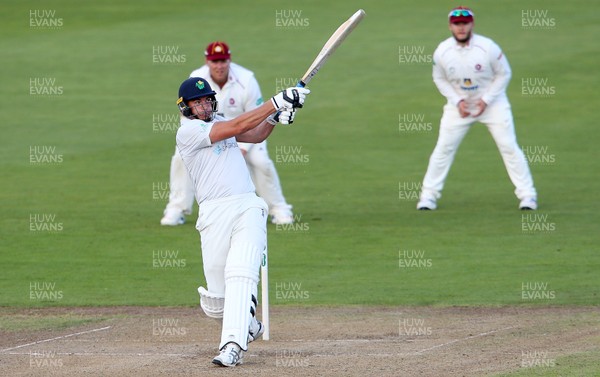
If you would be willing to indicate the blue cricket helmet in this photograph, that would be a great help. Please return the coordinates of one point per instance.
(194, 88)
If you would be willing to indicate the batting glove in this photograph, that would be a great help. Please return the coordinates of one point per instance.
(291, 98)
(285, 116)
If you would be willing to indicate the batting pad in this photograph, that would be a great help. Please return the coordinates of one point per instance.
(241, 280)
(212, 303)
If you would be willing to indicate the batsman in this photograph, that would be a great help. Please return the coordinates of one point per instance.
(232, 218)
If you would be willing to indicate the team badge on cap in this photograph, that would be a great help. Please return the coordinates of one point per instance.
(217, 51)
(200, 84)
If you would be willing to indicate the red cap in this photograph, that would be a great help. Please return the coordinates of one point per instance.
(217, 51)
(460, 14)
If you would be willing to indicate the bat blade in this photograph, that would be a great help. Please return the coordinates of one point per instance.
(331, 45)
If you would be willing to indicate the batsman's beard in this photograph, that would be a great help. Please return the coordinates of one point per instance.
(206, 111)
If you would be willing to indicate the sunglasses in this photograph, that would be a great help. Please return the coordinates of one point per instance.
(460, 12)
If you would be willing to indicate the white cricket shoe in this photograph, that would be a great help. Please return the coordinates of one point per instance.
(172, 217)
(256, 330)
(528, 204)
(282, 215)
(230, 356)
(426, 205)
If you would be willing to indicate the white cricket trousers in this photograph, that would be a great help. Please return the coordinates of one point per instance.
(233, 236)
(499, 121)
(261, 167)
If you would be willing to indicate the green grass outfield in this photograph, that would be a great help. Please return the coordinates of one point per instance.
(82, 226)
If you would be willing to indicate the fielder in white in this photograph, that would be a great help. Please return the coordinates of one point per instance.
(237, 92)
(472, 73)
(232, 218)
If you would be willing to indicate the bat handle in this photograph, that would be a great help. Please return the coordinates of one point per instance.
(299, 84)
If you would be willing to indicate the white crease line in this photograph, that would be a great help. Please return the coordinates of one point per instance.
(295, 340)
(460, 340)
(57, 338)
(342, 340)
(110, 354)
(421, 351)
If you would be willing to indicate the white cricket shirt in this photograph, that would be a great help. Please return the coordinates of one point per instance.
(241, 92)
(476, 71)
(217, 169)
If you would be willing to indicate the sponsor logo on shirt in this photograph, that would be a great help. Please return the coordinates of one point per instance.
(223, 145)
(468, 85)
